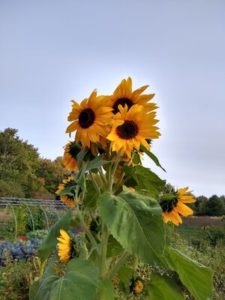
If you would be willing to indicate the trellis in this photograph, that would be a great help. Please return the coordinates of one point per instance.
(46, 206)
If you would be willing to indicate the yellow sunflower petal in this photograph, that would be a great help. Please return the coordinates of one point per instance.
(183, 209)
(188, 199)
(123, 95)
(90, 112)
(64, 246)
(130, 129)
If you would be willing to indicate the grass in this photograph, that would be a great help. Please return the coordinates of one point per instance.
(205, 244)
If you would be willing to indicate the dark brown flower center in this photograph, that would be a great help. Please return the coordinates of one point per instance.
(86, 118)
(168, 205)
(128, 130)
(123, 102)
(74, 149)
(70, 198)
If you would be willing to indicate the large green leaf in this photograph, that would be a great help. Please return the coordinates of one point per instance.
(79, 281)
(106, 290)
(136, 222)
(194, 276)
(51, 240)
(40, 289)
(164, 288)
(144, 180)
(90, 196)
(114, 247)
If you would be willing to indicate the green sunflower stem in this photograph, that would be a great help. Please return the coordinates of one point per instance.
(102, 176)
(103, 251)
(112, 171)
(95, 183)
(89, 234)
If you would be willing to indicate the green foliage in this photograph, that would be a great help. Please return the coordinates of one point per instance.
(17, 158)
(164, 288)
(20, 212)
(116, 227)
(35, 219)
(193, 242)
(91, 195)
(16, 278)
(79, 279)
(11, 188)
(22, 172)
(153, 157)
(51, 172)
(135, 221)
(195, 277)
(106, 289)
(214, 206)
(144, 180)
(214, 235)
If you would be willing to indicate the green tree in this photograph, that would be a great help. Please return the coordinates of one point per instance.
(51, 172)
(18, 162)
(215, 206)
(200, 205)
(22, 172)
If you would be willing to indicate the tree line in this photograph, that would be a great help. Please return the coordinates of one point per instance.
(23, 173)
(212, 206)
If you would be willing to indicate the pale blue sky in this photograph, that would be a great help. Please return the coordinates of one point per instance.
(53, 51)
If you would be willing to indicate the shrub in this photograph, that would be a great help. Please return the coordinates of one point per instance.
(16, 278)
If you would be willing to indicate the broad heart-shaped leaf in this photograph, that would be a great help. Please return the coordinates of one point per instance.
(106, 290)
(79, 281)
(136, 223)
(194, 276)
(163, 288)
(144, 180)
(51, 240)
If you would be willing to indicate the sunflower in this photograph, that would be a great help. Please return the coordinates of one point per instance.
(173, 206)
(90, 119)
(67, 199)
(123, 95)
(70, 154)
(131, 128)
(64, 246)
(137, 286)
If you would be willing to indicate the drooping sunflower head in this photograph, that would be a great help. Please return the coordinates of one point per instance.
(90, 119)
(68, 199)
(70, 155)
(131, 128)
(64, 246)
(173, 206)
(137, 286)
(123, 95)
